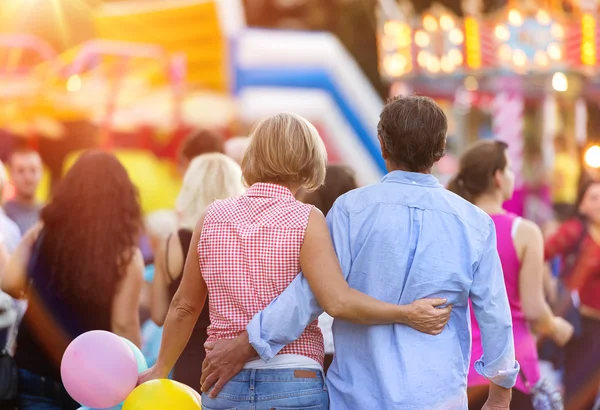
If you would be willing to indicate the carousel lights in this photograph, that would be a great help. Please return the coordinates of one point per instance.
(515, 18)
(588, 39)
(423, 58)
(393, 28)
(422, 38)
(554, 51)
(592, 156)
(456, 37)
(396, 65)
(557, 31)
(430, 23)
(543, 18)
(541, 58)
(74, 84)
(456, 57)
(446, 22)
(560, 82)
(446, 64)
(519, 58)
(472, 43)
(433, 64)
(502, 33)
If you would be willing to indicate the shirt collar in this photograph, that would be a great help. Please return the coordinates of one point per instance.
(264, 190)
(412, 178)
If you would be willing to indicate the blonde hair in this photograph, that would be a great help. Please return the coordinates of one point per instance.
(285, 149)
(208, 178)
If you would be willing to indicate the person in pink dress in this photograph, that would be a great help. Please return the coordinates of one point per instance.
(485, 179)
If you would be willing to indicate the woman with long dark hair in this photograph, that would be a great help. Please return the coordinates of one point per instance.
(577, 241)
(485, 179)
(81, 270)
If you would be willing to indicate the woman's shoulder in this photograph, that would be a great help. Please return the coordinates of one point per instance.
(527, 230)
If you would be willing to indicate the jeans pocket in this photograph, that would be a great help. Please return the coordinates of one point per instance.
(317, 407)
(210, 408)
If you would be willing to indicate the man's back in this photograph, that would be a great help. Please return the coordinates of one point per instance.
(409, 239)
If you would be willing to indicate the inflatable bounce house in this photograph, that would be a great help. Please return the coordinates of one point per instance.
(157, 69)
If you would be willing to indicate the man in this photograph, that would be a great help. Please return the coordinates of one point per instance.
(10, 234)
(198, 143)
(26, 173)
(403, 239)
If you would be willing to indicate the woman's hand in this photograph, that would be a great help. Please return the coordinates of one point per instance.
(152, 373)
(427, 315)
(563, 331)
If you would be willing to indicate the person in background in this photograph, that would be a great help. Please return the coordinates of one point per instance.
(250, 248)
(158, 226)
(197, 143)
(81, 270)
(11, 234)
(209, 177)
(399, 240)
(565, 178)
(26, 173)
(577, 241)
(339, 179)
(485, 178)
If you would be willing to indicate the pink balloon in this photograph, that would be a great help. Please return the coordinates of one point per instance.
(99, 370)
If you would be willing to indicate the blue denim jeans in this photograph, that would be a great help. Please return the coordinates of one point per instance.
(297, 389)
(40, 393)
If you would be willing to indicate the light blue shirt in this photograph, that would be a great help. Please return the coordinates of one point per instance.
(404, 239)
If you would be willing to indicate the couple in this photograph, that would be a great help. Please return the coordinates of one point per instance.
(406, 243)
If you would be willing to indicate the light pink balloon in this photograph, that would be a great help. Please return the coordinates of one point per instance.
(99, 370)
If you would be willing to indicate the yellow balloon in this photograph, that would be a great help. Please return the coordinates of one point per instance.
(162, 394)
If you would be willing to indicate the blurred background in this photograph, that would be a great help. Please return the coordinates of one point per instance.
(139, 78)
(136, 76)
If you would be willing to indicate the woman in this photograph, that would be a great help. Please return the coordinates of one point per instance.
(485, 179)
(577, 241)
(338, 180)
(250, 248)
(208, 178)
(81, 270)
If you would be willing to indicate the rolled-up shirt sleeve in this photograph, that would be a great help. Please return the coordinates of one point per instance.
(491, 308)
(286, 317)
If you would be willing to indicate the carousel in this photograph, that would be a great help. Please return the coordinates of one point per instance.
(524, 74)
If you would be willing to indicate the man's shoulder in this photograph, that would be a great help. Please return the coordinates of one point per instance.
(468, 213)
(357, 197)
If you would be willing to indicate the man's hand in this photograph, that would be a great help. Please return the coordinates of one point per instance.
(495, 406)
(224, 359)
(425, 316)
(499, 398)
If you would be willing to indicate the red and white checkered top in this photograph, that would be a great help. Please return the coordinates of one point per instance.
(249, 253)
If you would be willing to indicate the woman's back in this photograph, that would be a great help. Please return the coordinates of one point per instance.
(249, 253)
(525, 347)
(74, 315)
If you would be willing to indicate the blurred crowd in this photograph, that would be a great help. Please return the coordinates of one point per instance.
(88, 259)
